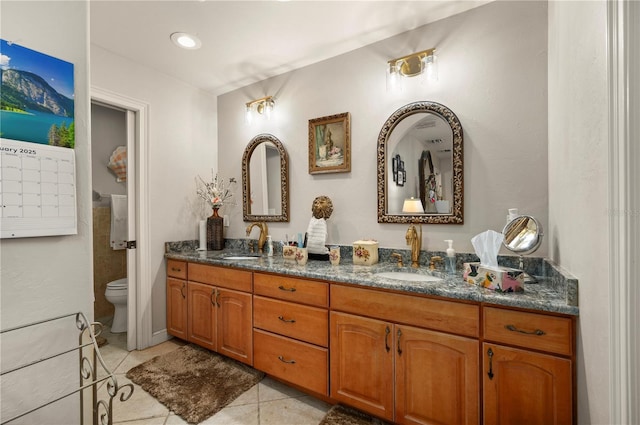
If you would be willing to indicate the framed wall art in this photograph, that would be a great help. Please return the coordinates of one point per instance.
(330, 144)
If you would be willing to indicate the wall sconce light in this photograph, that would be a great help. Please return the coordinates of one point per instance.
(263, 106)
(420, 63)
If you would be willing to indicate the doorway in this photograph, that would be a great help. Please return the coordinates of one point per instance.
(135, 113)
(110, 209)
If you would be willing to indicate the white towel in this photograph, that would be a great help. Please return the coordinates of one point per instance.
(119, 208)
(317, 236)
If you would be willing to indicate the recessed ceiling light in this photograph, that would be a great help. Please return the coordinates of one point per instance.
(186, 41)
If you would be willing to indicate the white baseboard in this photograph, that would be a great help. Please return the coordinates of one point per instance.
(160, 337)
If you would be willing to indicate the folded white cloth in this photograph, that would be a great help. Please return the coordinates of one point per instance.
(317, 236)
(118, 236)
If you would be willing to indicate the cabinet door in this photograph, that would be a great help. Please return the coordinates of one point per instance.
(202, 314)
(436, 377)
(235, 318)
(522, 387)
(177, 307)
(362, 363)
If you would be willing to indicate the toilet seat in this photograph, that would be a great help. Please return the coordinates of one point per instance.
(118, 284)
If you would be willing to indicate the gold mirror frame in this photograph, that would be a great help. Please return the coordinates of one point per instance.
(284, 180)
(456, 217)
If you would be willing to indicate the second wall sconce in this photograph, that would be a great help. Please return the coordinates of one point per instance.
(263, 106)
(423, 63)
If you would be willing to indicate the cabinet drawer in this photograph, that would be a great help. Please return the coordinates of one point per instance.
(297, 321)
(223, 277)
(529, 330)
(292, 289)
(293, 361)
(177, 269)
(441, 315)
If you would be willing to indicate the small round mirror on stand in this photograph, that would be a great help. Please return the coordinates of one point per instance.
(523, 235)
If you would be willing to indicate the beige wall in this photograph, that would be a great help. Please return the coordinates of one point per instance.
(45, 277)
(578, 234)
(182, 144)
(493, 75)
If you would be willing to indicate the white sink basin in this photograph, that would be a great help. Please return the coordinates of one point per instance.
(412, 277)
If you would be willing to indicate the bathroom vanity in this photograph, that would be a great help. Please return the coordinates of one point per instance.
(409, 352)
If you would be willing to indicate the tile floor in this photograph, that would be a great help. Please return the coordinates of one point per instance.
(267, 403)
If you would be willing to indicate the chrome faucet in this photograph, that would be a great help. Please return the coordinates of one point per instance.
(264, 231)
(415, 241)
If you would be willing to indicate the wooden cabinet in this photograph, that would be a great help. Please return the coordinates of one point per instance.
(402, 357)
(436, 377)
(177, 307)
(291, 330)
(177, 298)
(531, 383)
(400, 372)
(212, 308)
(234, 321)
(202, 315)
(362, 363)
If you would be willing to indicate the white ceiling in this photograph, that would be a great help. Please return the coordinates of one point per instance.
(248, 41)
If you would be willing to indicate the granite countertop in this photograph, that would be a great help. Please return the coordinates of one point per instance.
(552, 293)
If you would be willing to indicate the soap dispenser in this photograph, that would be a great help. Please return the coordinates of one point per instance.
(450, 260)
(269, 246)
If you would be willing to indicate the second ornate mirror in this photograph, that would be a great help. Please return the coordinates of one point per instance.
(265, 180)
(420, 156)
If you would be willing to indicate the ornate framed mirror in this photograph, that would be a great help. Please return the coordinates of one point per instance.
(265, 180)
(427, 136)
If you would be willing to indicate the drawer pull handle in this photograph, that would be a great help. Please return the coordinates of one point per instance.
(286, 361)
(176, 269)
(387, 331)
(184, 285)
(287, 320)
(212, 297)
(217, 298)
(282, 288)
(399, 349)
(490, 354)
(514, 329)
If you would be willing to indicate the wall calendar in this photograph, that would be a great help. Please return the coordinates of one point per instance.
(37, 190)
(37, 140)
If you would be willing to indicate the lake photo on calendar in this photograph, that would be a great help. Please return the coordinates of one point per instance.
(36, 97)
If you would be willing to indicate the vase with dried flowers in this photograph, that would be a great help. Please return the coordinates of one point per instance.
(216, 193)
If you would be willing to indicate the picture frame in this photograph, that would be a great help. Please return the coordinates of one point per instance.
(399, 172)
(330, 144)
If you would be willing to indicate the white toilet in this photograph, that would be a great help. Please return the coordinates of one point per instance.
(116, 294)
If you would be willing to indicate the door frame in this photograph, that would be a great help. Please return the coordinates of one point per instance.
(139, 331)
(623, 39)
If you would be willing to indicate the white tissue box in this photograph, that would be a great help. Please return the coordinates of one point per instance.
(365, 252)
(500, 279)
